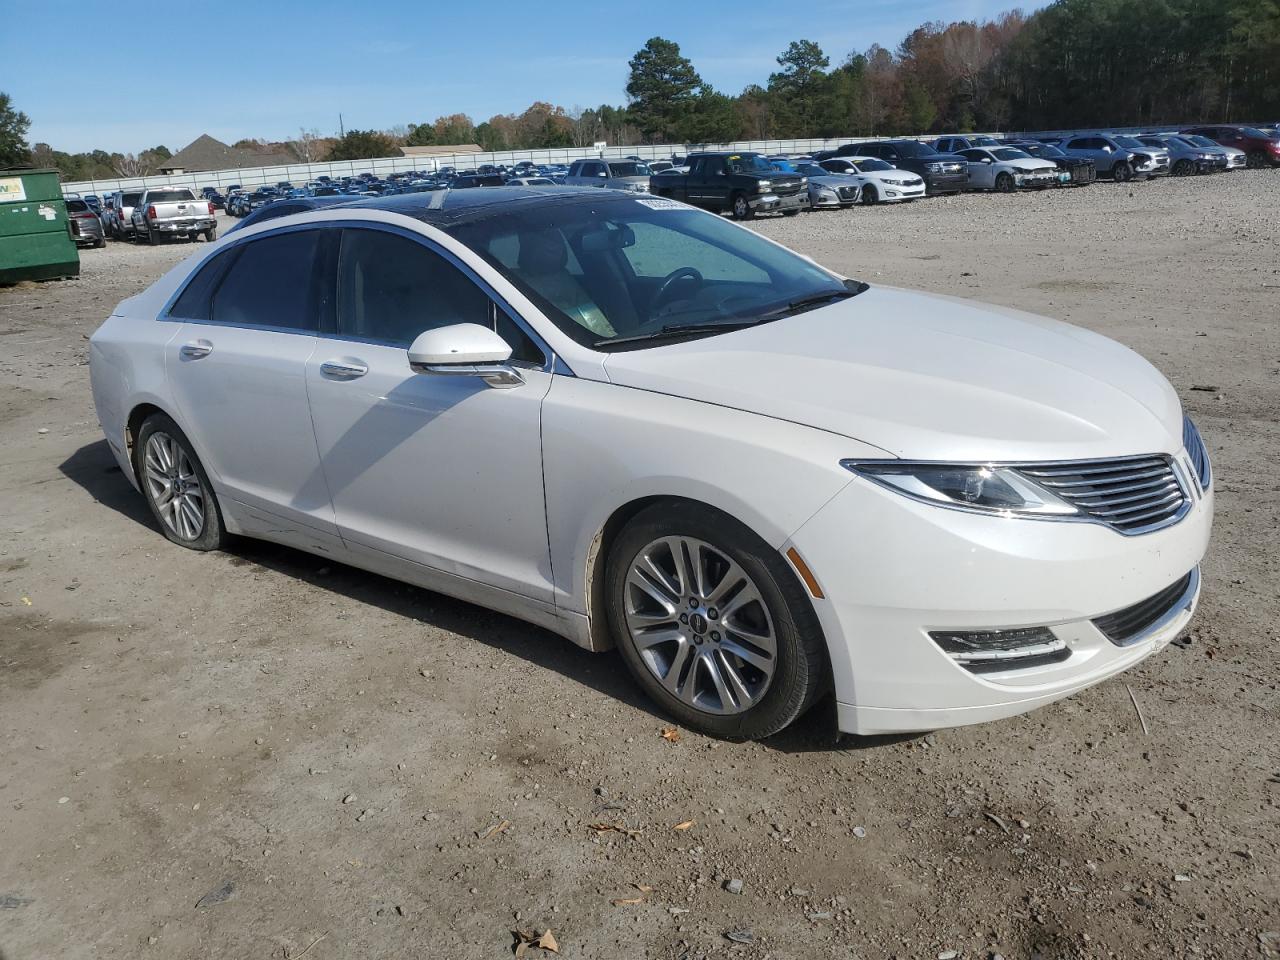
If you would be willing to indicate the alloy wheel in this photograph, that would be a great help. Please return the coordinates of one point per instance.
(174, 486)
(700, 625)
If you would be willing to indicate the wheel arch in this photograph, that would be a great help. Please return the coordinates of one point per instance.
(598, 554)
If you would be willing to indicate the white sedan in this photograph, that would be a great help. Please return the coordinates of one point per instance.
(639, 425)
(1007, 168)
(881, 182)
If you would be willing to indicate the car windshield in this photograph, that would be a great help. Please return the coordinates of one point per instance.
(910, 148)
(628, 168)
(1130, 142)
(129, 199)
(1045, 150)
(1256, 133)
(1009, 153)
(1201, 141)
(77, 206)
(623, 270)
(986, 141)
(872, 165)
(750, 163)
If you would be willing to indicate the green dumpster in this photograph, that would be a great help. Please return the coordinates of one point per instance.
(35, 242)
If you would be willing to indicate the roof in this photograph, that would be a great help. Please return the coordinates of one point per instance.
(446, 208)
(206, 153)
(441, 149)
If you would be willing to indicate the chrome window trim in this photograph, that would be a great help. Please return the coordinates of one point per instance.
(1188, 496)
(552, 362)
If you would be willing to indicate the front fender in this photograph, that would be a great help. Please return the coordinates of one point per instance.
(606, 446)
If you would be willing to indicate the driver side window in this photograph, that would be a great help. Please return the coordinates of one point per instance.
(658, 251)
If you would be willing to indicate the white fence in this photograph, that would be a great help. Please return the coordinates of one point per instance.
(300, 173)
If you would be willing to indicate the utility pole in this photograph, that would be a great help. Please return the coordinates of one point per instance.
(341, 133)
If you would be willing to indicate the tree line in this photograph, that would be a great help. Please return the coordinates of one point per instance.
(1073, 63)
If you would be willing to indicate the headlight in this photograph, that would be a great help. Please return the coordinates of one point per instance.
(763, 186)
(933, 167)
(896, 183)
(982, 489)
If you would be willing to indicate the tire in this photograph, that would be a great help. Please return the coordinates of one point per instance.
(740, 207)
(1005, 184)
(153, 238)
(1122, 173)
(869, 195)
(211, 235)
(100, 243)
(1256, 160)
(776, 610)
(791, 213)
(1183, 168)
(157, 474)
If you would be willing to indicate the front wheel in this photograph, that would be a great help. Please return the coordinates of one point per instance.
(869, 195)
(1004, 183)
(741, 208)
(1183, 168)
(1122, 173)
(712, 623)
(176, 486)
(1256, 160)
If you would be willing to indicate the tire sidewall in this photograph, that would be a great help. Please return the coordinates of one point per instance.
(800, 674)
(214, 534)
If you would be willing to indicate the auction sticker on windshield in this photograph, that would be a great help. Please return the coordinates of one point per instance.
(661, 203)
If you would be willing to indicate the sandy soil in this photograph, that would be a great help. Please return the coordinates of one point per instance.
(244, 753)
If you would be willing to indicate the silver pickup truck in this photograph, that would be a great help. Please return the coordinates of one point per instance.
(173, 212)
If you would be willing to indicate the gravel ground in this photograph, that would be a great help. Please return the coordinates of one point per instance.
(269, 753)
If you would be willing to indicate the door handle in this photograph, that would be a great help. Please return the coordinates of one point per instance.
(195, 349)
(344, 369)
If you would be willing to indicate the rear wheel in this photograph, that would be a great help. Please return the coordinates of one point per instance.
(211, 235)
(869, 195)
(1004, 183)
(100, 242)
(153, 237)
(741, 208)
(712, 623)
(1122, 173)
(176, 486)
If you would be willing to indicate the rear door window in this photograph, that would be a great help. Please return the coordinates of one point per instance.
(273, 284)
(195, 301)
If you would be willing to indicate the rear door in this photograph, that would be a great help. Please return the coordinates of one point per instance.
(709, 183)
(237, 369)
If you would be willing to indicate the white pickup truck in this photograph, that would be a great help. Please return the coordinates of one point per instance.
(173, 211)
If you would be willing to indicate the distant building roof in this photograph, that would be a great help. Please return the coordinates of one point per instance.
(441, 149)
(206, 153)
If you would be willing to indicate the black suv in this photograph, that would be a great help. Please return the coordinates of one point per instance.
(941, 172)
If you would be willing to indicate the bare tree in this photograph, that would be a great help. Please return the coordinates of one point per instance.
(307, 146)
(129, 165)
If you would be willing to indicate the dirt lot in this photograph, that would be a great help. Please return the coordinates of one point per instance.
(241, 754)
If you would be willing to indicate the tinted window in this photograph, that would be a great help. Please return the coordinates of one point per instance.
(391, 289)
(194, 302)
(975, 156)
(169, 196)
(77, 206)
(271, 284)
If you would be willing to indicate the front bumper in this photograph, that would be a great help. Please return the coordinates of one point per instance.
(936, 183)
(933, 569)
(776, 203)
(1037, 180)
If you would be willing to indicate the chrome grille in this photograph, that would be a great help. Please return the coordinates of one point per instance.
(848, 193)
(1128, 626)
(1198, 454)
(1131, 495)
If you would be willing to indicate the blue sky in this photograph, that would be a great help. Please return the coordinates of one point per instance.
(238, 69)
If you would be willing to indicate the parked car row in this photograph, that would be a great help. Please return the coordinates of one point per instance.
(742, 183)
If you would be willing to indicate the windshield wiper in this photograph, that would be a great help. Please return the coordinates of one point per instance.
(674, 330)
(852, 289)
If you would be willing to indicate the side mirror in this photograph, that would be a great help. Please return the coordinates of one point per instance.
(464, 350)
(602, 174)
(987, 160)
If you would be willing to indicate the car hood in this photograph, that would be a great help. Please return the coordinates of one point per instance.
(927, 377)
(1032, 165)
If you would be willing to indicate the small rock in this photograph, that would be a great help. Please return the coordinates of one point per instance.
(859, 832)
(948, 955)
(741, 936)
(349, 798)
(799, 892)
(733, 886)
(259, 741)
(819, 915)
(43, 430)
(64, 799)
(364, 815)
(220, 895)
(1181, 878)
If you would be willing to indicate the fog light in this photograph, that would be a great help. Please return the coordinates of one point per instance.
(988, 651)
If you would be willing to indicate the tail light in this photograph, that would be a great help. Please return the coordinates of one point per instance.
(86, 215)
(211, 210)
(151, 213)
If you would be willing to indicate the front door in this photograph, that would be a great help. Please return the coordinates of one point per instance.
(444, 471)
